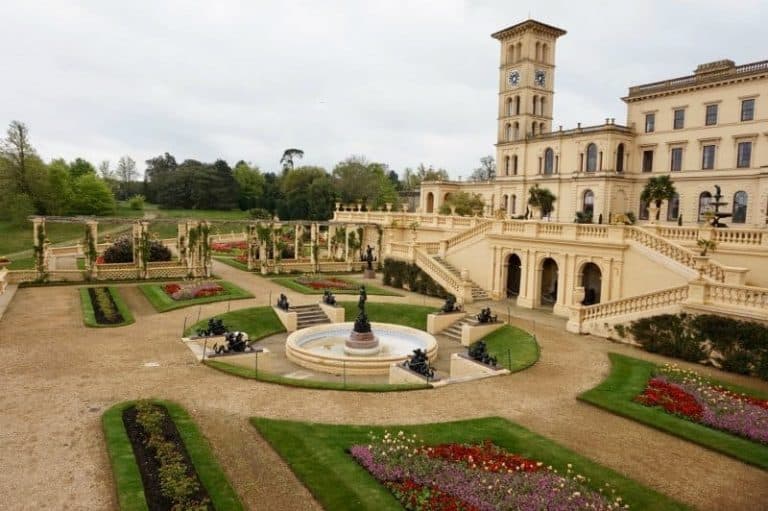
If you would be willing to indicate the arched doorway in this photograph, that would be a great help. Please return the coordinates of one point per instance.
(513, 275)
(430, 202)
(592, 282)
(548, 281)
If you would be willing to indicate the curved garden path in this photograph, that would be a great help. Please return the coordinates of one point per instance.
(58, 377)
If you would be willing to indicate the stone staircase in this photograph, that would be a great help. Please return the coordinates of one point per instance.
(309, 315)
(478, 293)
(454, 331)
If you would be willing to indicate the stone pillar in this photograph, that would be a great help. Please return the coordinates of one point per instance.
(296, 234)
(92, 239)
(564, 291)
(331, 230)
(312, 243)
(496, 275)
(529, 277)
(346, 243)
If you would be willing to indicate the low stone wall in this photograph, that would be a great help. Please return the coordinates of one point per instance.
(289, 319)
(399, 375)
(335, 314)
(3, 281)
(438, 321)
(464, 367)
(472, 333)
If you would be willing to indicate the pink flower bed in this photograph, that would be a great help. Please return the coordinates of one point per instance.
(190, 291)
(481, 477)
(331, 283)
(695, 398)
(228, 246)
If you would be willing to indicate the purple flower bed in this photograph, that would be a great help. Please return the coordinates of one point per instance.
(722, 409)
(474, 477)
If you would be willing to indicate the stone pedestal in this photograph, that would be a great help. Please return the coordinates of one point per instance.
(369, 274)
(361, 344)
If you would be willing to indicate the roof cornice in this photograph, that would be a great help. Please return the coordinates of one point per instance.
(528, 25)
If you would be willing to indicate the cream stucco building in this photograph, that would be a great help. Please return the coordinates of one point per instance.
(704, 129)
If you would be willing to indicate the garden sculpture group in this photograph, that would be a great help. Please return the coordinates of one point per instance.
(419, 363)
(328, 297)
(485, 316)
(361, 340)
(282, 302)
(237, 342)
(215, 327)
(450, 305)
(479, 351)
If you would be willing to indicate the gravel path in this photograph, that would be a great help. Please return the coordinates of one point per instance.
(58, 377)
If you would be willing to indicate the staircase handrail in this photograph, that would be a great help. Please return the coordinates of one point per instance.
(637, 303)
(437, 271)
(479, 229)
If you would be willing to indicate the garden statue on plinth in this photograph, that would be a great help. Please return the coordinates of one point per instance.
(361, 341)
(282, 302)
(369, 272)
(328, 298)
(237, 342)
(419, 364)
(215, 327)
(485, 316)
(450, 305)
(479, 351)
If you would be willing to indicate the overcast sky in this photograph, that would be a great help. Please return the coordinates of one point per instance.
(400, 82)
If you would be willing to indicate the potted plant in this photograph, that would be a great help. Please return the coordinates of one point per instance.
(541, 201)
(657, 190)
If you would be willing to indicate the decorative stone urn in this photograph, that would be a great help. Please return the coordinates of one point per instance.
(653, 210)
(578, 295)
(700, 263)
(4, 262)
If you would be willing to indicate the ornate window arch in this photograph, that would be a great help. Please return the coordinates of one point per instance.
(620, 158)
(588, 202)
(673, 208)
(591, 157)
(704, 199)
(549, 161)
(739, 207)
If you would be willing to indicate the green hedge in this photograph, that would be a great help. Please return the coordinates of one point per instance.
(130, 490)
(400, 273)
(742, 344)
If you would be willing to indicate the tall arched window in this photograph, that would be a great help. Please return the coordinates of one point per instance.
(510, 53)
(549, 161)
(542, 111)
(538, 50)
(541, 128)
(516, 131)
(588, 203)
(620, 158)
(591, 158)
(739, 207)
(510, 107)
(514, 204)
(517, 105)
(533, 128)
(514, 165)
(508, 132)
(519, 51)
(704, 199)
(545, 53)
(535, 100)
(643, 211)
(506, 165)
(673, 209)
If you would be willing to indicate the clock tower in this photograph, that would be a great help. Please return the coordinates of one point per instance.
(526, 80)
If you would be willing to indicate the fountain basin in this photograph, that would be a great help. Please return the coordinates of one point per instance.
(322, 348)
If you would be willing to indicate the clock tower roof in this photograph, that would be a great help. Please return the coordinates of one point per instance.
(526, 26)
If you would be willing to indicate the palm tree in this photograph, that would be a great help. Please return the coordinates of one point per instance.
(657, 190)
(541, 198)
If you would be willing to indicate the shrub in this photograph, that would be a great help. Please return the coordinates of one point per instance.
(399, 274)
(121, 251)
(136, 202)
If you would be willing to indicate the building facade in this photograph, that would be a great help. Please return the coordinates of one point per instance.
(706, 129)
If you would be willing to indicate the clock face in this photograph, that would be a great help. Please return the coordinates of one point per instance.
(539, 78)
(513, 79)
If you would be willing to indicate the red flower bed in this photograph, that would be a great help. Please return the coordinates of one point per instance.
(415, 496)
(171, 288)
(228, 246)
(670, 397)
(242, 258)
(329, 283)
(486, 457)
(193, 290)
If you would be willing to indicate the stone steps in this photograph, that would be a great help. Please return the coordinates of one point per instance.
(454, 331)
(309, 315)
(478, 293)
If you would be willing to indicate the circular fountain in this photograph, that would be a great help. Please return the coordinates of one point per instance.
(359, 348)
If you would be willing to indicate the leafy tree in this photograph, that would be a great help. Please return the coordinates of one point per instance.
(466, 204)
(80, 167)
(657, 190)
(251, 184)
(158, 170)
(308, 194)
(272, 194)
(541, 198)
(17, 150)
(92, 196)
(431, 174)
(105, 171)
(486, 171)
(288, 156)
(395, 180)
(58, 195)
(126, 172)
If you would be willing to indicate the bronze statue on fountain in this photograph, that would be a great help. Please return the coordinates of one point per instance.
(717, 215)
(361, 340)
(369, 272)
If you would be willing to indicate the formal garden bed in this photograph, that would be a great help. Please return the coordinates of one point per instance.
(104, 307)
(514, 348)
(161, 461)
(176, 295)
(726, 418)
(316, 284)
(476, 464)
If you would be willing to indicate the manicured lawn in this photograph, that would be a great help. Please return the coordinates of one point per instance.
(22, 263)
(163, 303)
(15, 238)
(130, 490)
(231, 261)
(257, 322)
(513, 348)
(290, 283)
(414, 316)
(628, 379)
(317, 455)
(203, 214)
(89, 317)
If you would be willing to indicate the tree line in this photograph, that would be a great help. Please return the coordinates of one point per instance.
(29, 185)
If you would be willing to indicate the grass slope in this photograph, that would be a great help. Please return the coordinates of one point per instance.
(163, 303)
(414, 316)
(130, 490)
(628, 379)
(89, 316)
(257, 322)
(291, 283)
(231, 261)
(317, 455)
(513, 347)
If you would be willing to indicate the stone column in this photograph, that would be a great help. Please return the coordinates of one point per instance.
(329, 233)
(496, 275)
(90, 251)
(564, 291)
(312, 243)
(528, 280)
(346, 243)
